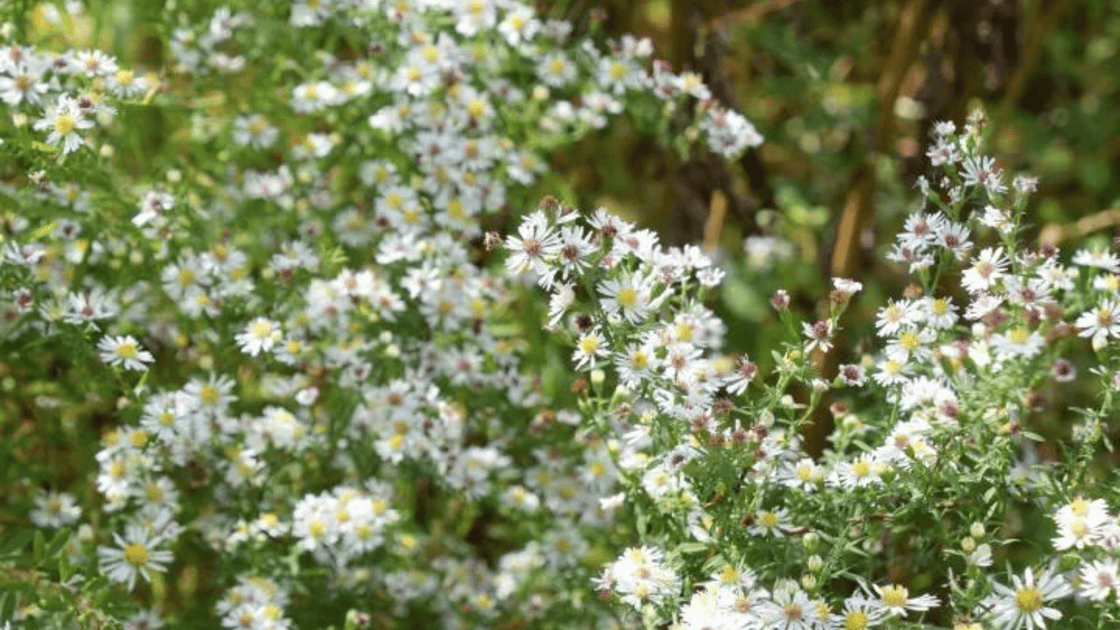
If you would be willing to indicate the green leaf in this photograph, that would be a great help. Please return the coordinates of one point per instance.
(16, 544)
(692, 547)
(58, 542)
(37, 546)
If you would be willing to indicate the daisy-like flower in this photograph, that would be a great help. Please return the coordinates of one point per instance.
(744, 373)
(590, 347)
(791, 609)
(640, 576)
(988, 268)
(861, 472)
(1080, 523)
(858, 613)
(534, 244)
(805, 474)
(64, 120)
(1017, 342)
(895, 600)
(939, 313)
(1100, 323)
(954, 238)
(981, 171)
(895, 316)
(55, 509)
(1099, 579)
(911, 344)
(1099, 258)
(891, 372)
(135, 554)
(260, 335)
(124, 351)
(819, 334)
(562, 297)
(1024, 603)
(771, 523)
(627, 296)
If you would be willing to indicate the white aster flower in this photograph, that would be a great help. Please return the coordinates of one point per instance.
(135, 554)
(124, 351)
(1024, 603)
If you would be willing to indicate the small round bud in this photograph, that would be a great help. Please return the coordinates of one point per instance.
(976, 530)
(968, 544)
(815, 563)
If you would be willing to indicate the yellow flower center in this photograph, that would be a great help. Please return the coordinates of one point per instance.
(1079, 506)
(769, 520)
(856, 620)
(639, 360)
(861, 468)
(210, 394)
(64, 124)
(261, 329)
(589, 345)
(1028, 599)
(136, 554)
(895, 596)
(627, 298)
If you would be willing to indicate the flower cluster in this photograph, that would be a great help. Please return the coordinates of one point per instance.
(710, 442)
(296, 367)
(294, 352)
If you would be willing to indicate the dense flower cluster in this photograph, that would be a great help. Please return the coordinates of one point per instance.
(309, 356)
(708, 437)
(321, 385)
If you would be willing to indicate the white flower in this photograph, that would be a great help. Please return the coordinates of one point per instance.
(590, 347)
(791, 609)
(859, 613)
(628, 296)
(534, 245)
(982, 171)
(1017, 342)
(134, 554)
(986, 271)
(895, 600)
(771, 523)
(895, 316)
(1099, 579)
(1100, 323)
(124, 351)
(1080, 523)
(1023, 604)
(260, 335)
(1099, 258)
(64, 120)
(819, 334)
(55, 509)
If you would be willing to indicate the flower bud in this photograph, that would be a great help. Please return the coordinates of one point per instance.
(815, 563)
